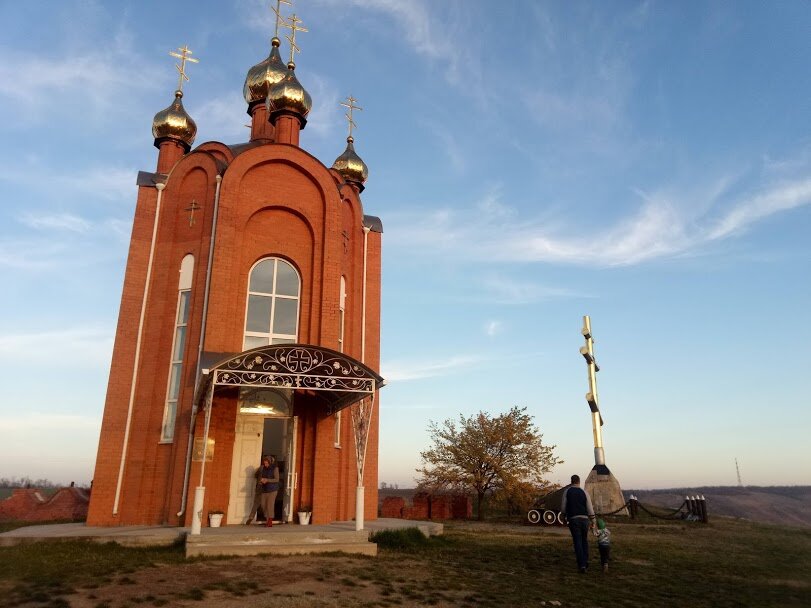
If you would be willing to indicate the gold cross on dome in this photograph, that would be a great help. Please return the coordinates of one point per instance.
(191, 209)
(279, 19)
(351, 106)
(294, 27)
(184, 57)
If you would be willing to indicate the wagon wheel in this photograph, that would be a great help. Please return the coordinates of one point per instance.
(533, 516)
(562, 518)
(549, 518)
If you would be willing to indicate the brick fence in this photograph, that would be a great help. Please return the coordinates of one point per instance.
(426, 506)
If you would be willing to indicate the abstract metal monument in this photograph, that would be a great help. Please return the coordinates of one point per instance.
(605, 490)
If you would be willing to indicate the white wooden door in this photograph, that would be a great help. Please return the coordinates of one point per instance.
(247, 452)
(291, 476)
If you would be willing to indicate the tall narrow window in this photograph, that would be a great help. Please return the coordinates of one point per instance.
(178, 346)
(341, 318)
(272, 309)
(341, 314)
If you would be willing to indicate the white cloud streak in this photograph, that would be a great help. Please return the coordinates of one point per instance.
(58, 221)
(665, 225)
(77, 347)
(397, 371)
(491, 328)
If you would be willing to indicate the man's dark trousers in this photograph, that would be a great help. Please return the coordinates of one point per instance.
(579, 527)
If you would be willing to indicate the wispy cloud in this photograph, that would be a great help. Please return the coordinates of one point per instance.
(222, 118)
(491, 328)
(664, 225)
(111, 183)
(395, 371)
(505, 290)
(80, 347)
(58, 221)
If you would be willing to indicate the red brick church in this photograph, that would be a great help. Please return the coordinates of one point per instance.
(249, 324)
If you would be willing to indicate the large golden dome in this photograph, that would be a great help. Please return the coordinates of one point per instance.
(264, 75)
(174, 123)
(350, 165)
(288, 95)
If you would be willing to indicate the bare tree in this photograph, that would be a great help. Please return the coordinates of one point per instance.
(483, 453)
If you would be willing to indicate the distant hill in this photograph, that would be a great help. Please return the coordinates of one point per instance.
(789, 505)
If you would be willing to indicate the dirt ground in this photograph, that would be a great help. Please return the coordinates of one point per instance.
(267, 581)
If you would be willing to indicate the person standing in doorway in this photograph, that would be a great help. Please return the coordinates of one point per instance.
(257, 493)
(269, 478)
(576, 505)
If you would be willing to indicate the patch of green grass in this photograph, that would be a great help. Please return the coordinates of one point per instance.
(408, 539)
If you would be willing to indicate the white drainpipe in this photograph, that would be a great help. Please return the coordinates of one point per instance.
(125, 446)
(187, 469)
(359, 491)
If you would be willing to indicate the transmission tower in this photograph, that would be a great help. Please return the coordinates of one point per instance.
(738, 471)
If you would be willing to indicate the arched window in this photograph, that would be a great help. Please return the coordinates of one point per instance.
(273, 298)
(178, 347)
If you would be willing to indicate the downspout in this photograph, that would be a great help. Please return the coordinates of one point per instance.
(359, 491)
(187, 469)
(135, 365)
(366, 230)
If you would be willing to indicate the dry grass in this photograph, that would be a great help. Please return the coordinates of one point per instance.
(724, 563)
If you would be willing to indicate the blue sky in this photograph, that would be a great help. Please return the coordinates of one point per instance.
(646, 163)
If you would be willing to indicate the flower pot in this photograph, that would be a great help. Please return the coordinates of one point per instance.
(215, 520)
(304, 517)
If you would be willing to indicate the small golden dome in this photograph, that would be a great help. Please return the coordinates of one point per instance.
(288, 95)
(350, 165)
(264, 75)
(174, 123)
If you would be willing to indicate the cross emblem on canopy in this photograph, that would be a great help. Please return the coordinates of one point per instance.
(185, 51)
(294, 27)
(350, 106)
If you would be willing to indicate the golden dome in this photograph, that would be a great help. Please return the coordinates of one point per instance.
(350, 165)
(174, 123)
(264, 75)
(288, 95)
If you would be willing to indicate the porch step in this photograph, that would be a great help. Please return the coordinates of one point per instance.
(278, 541)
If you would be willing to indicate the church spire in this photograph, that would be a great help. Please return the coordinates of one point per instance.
(173, 128)
(288, 102)
(261, 77)
(349, 164)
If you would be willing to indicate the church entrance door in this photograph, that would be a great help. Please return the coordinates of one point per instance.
(247, 452)
(256, 435)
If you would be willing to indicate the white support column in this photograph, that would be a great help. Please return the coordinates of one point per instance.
(359, 504)
(200, 490)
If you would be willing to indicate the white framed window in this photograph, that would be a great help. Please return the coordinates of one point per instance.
(341, 319)
(272, 309)
(178, 347)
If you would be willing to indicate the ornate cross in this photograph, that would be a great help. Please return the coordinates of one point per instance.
(351, 106)
(294, 27)
(184, 57)
(191, 209)
(279, 19)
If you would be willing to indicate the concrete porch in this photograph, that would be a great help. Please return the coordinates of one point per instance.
(230, 540)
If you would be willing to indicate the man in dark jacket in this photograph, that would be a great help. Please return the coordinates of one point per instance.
(576, 505)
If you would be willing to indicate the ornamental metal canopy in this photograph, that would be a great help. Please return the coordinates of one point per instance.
(336, 377)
